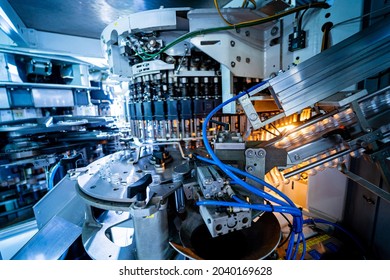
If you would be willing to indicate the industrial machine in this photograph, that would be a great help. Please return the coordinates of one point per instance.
(223, 118)
(49, 124)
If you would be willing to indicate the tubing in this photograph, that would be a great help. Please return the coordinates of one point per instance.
(287, 207)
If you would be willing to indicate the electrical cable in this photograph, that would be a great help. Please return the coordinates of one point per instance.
(245, 4)
(322, 5)
(147, 56)
(300, 20)
(290, 231)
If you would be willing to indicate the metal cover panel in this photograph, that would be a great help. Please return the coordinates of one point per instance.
(62, 201)
(51, 242)
(354, 59)
(3, 68)
(4, 103)
(21, 98)
(160, 19)
(342, 98)
(52, 97)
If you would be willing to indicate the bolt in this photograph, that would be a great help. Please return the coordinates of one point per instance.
(238, 58)
(207, 181)
(274, 30)
(249, 153)
(260, 153)
(247, 33)
(249, 169)
(247, 60)
(232, 43)
(233, 64)
(253, 117)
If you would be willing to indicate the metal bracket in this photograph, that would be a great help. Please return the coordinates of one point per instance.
(380, 158)
(255, 165)
(360, 116)
(141, 145)
(364, 183)
(251, 112)
(365, 139)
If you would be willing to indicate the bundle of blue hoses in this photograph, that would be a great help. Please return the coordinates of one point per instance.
(284, 205)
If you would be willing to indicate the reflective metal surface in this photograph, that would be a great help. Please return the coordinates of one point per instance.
(51, 242)
(253, 243)
(354, 59)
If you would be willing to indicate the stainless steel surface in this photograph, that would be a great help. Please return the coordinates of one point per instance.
(107, 179)
(51, 242)
(344, 64)
(255, 165)
(221, 223)
(52, 98)
(210, 182)
(227, 90)
(4, 103)
(100, 240)
(62, 201)
(311, 149)
(342, 98)
(39, 85)
(316, 163)
(151, 234)
(247, 53)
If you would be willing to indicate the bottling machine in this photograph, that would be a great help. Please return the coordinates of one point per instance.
(221, 114)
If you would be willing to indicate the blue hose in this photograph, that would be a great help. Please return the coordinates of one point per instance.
(239, 200)
(289, 207)
(52, 174)
(207, 144)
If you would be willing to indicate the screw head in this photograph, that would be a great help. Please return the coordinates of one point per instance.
(260, 153)
(249, 153)
(249, 169)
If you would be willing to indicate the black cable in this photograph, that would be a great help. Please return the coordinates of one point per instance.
(326, 36)
(289, 234)
(300, 20)
(289, 225)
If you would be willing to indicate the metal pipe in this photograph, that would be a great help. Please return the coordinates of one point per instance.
(317, 163)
